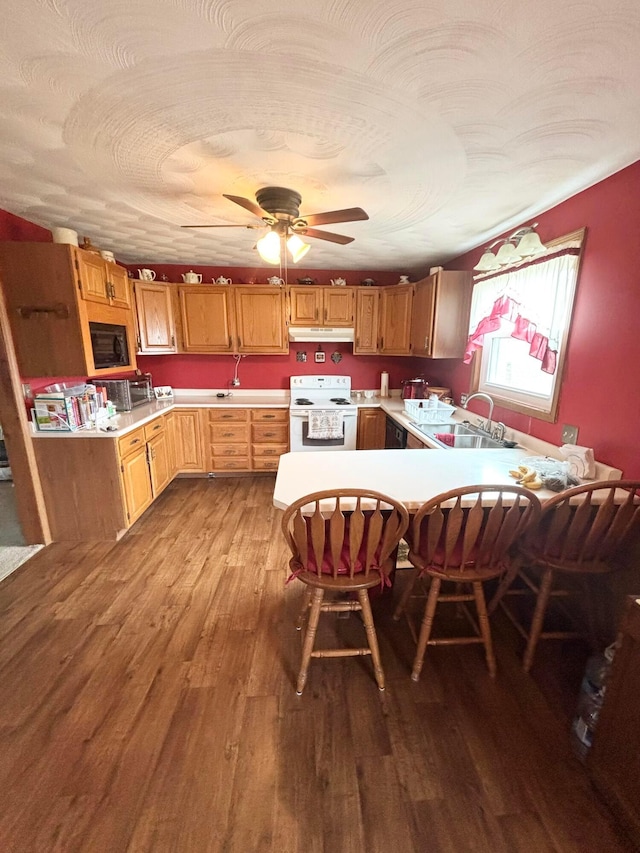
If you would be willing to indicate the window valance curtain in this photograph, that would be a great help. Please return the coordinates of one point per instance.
(533, 301)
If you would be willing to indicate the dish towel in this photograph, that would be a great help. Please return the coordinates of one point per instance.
(325, 424)
(447, 438)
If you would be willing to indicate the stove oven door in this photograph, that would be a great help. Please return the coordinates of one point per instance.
(299, 433)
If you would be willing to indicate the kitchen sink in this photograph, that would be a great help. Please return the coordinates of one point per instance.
(464, 436)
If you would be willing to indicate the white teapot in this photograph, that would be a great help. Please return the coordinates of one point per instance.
(192, 277)
(338, 282)
(146, 275)
(221, 280)
(275, 279)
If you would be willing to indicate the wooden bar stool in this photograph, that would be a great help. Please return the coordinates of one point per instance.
(464, 537)
(342, 541)
(581, 532)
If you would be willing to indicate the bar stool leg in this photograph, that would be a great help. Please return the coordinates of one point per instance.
(306, 601)
(485, 630)
(537, 621)
(309, 638)
(425, 629)
(372, 638)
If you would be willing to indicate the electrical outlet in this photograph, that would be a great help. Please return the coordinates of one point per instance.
(235, 383)
(463, 399)
(569, 434)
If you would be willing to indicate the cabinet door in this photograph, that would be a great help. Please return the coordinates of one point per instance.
(188, 440)
(338, 307)
(136, 482)
(92, 276)
(423, 314)
(395, 319)
(118, 285)
(260, 317)
(452, 306)
(207, 318)
(371, 429)
(366, 326)
(305, 305)
(159, 462)
(155, 318)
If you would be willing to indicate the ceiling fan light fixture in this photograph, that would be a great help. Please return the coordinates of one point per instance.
(269, 247)
(297, 248)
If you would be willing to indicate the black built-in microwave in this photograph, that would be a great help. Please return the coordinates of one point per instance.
(109, 345)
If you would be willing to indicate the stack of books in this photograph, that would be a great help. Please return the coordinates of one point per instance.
(74, 408)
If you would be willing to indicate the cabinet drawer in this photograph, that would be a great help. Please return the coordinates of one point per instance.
(269, 449)
(232, 463)
(278, 415)
(270, 433)
(221, 451)
(266, 463)
(131, 441)
(219, 415)
(153, 428)
(228, 432)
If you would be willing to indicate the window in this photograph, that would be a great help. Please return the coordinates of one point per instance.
(519, 328)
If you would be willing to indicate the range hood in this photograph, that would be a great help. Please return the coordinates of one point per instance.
(320, 333)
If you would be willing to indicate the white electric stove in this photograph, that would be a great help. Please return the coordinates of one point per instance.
(313, 394)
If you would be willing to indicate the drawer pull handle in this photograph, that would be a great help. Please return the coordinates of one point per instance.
(268, 417)
(135, 441)
(227, 434)
(269, 434)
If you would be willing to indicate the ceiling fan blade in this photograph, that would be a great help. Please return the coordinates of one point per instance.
(349, 214)
(326, 235)
(222, 226)
(249, 205)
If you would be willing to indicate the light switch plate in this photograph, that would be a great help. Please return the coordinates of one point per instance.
(569, 434)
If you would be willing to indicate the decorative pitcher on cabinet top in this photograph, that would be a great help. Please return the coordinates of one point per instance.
(338, 282)
(192, 277)
(221, 280)
(275, 279)
(146, 275)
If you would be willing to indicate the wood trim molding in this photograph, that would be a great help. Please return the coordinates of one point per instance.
(28, 490)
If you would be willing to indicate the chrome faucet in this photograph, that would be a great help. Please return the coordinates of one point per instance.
(487, 426)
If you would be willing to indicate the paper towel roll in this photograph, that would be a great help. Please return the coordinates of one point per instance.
(384, 384)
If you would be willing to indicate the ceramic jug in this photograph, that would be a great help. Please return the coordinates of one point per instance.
(147, 275)
(221, 280)
(192, 277)
(338, 282)
(275, 279)
(404, 279)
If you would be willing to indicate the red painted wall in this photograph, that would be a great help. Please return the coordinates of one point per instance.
(601, 387)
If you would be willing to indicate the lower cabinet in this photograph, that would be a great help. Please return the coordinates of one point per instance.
(371, 429)
(189, 440)
(145, 466)
(248, 439)
(414, 443)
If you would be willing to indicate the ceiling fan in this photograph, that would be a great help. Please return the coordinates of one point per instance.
(279, 209)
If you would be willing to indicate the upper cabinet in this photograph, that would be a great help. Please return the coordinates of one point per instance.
(154, 310)
(101, 281)
(395, 319)
(440, 315)
(238, 319)
(322, 306)
(366, 326)
(53, 292)
(260, 320)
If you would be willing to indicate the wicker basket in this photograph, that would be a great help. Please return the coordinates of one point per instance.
(425, 412)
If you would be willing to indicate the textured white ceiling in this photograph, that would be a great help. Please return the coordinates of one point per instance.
(448, 121)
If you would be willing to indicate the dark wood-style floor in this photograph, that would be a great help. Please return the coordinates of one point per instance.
(147, 704)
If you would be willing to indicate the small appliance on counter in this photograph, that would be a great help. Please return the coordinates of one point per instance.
(415, 389)
(126, 394)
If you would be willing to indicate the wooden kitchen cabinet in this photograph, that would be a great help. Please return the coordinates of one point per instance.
(158, 455)
(189, 440)
(154, 312)
(414, 443)
(101, 281)
(366, 323)
(136, 482)
(260, 320)
(371, 429)
(145, 466)
(53, 291)
(395, 319)
(322, 306)
(440, 315)
(208, 323)
(269, 438)
(229, 439)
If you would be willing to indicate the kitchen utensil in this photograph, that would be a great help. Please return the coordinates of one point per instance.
(192, 277)
(220, 280)
(414, 389)
(146, 275)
